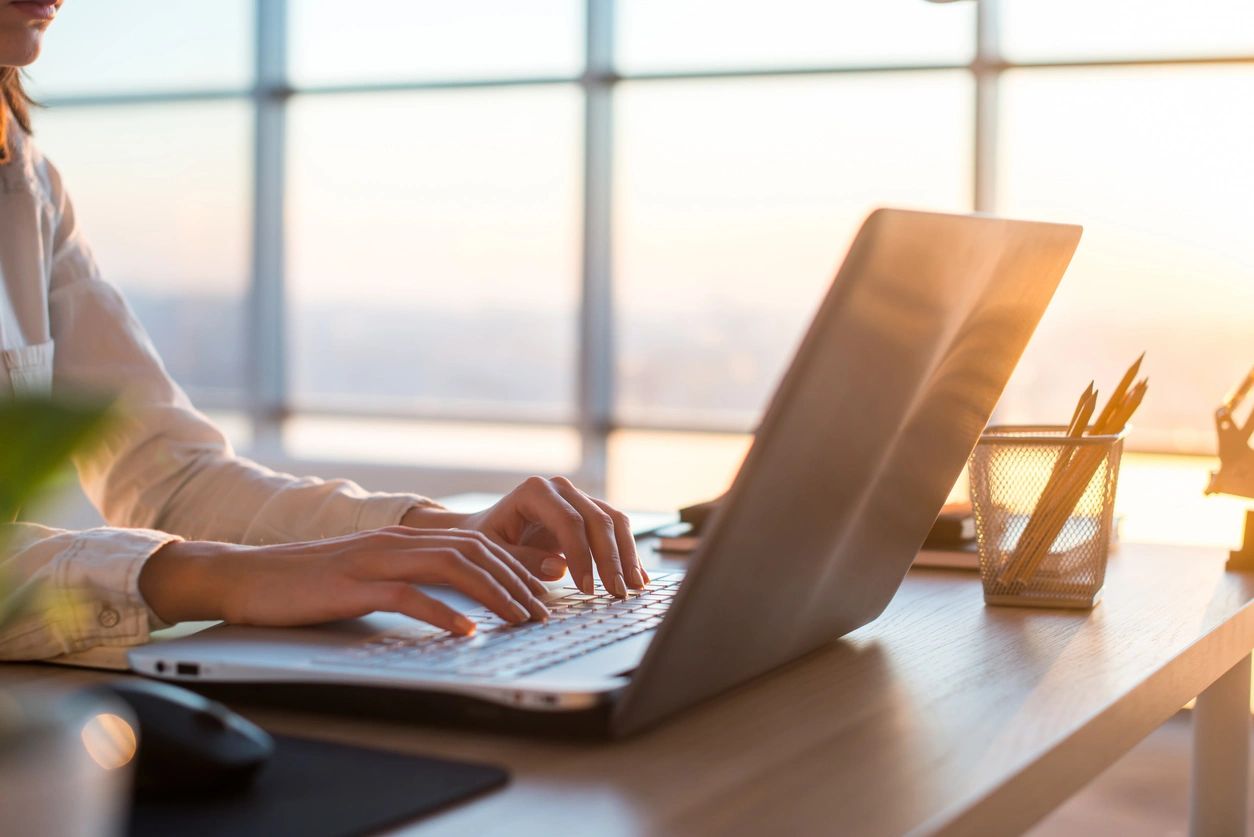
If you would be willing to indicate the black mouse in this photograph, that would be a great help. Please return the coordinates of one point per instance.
(188, 743)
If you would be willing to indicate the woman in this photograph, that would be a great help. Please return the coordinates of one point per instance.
(201, 533)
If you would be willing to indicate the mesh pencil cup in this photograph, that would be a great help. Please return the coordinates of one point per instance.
(1044, 506)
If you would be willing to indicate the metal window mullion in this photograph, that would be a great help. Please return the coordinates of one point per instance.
(987, 67)
(267, 373)
(595, 365)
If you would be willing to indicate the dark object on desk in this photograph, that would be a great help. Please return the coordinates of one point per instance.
(678, 544)
(1236, 457)
(698, 515)
(1242, 560)
(188, 743)
(1236, 465)
(319, 789)
(964, 557)
(954, 527)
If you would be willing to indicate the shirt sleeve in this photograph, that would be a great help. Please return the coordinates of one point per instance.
(164, 465)
(81, 589)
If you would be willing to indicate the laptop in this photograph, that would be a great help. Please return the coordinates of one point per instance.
(866, 434)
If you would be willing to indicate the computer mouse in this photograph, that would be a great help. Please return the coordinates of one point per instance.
(188, 743)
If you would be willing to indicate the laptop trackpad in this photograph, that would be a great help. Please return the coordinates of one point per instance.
(612, 661)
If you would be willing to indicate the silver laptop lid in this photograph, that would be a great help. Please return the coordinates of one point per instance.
(863, 440)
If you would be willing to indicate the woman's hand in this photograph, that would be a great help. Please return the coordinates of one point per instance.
(339, 578)
(543, 520)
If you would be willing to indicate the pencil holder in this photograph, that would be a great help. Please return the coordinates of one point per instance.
(1044, 506)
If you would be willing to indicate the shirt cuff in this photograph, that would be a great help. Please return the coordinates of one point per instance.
(381, 510)
(96, 588)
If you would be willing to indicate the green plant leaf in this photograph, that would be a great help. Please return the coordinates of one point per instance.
(37, 437)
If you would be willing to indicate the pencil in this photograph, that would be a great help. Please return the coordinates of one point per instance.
(1079, 422)
(1119, 392)
(1067, 492)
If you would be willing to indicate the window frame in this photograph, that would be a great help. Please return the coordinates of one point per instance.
(266, 398)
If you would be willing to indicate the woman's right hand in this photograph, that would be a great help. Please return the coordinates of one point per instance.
(339, 578)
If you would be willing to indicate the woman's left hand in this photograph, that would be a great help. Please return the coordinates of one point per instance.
(543, 520)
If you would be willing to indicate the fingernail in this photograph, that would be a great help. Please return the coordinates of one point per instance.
(464, 625)
(645, 575)
(637, 580)
(620, 586)
(553, 567)
(586, 585)
(521, 613)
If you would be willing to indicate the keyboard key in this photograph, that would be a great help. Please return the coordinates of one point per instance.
(580, 624)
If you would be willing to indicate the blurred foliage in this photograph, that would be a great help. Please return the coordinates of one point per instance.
(37, 438)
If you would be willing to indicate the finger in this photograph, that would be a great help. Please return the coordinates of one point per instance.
(449, 565)
(506, 557)
(380, 562)
(542, 563)
(633, 569)
(600, 532)
(501, 566)
(541, 503)
(401, 597)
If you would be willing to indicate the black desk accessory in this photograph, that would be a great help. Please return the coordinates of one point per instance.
(318, 789)
(202, 769)
(188, 743)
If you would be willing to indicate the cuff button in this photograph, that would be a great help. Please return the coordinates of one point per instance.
(109, 618)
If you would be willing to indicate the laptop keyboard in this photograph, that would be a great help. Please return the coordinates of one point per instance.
(579, 624)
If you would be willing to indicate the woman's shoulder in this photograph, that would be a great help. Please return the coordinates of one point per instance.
(27, 170)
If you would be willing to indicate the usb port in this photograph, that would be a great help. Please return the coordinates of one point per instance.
(188, 669)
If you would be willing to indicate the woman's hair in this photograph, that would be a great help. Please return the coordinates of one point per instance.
(15, 99)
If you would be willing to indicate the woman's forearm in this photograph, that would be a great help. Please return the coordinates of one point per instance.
(187, 581)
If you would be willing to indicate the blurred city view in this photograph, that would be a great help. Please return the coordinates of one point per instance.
(720, 374)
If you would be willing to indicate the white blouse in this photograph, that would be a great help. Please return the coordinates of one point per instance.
(163, 471)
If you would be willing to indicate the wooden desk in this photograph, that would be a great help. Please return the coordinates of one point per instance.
(943, 716)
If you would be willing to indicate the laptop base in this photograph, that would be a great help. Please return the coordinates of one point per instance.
(410, 706)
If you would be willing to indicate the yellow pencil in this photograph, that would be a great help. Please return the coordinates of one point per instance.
(1079, 423)
(1117, 395)
(1066, 493)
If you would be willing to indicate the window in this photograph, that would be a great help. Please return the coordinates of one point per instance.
(1162, 178)
(163, 199)
(433, 250)
(425, 40)
(420, 237)
(735, 200)
(133, 46)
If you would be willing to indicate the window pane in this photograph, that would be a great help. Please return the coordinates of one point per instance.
(395, 442)
(667, 471)
(1069, 29)
(661, 35)
(435, 246)
(139, 45)
(334, 42)
(736, 202)
(162, 193)
(1156, 163)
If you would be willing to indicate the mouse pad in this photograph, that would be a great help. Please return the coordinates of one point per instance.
(319, 789)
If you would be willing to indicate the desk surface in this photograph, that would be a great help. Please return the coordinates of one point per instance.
(942, 716)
